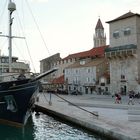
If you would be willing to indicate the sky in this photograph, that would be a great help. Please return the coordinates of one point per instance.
(57, 26)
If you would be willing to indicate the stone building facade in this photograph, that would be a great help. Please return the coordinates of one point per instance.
(85, 74)
(47, 64)
(124, 53)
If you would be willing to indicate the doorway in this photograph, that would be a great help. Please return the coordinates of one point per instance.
(123, 89)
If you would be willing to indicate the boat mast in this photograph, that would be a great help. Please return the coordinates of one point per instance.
(11, 8)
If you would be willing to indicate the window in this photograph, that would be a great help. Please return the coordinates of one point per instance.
(116, 34)
(5, 70)
(88, 70)
(7, 60)
(82, 62)
(76, 71)
(127, 31)
(75, 80)
(88, 79)
(3, 60)
(122, 76)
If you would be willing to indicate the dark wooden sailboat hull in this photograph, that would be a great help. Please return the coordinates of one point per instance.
(16, 100)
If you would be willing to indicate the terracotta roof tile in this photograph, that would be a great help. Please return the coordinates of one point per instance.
(58, 80)
(98, 51)
(92, 63)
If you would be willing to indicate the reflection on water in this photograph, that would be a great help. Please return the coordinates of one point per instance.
(44, 127)
(16, 133)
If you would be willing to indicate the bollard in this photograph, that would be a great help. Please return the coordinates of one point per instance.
(50, 102)
(37, 99)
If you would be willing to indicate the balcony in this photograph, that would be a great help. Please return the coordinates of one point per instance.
(121, 51)
(89, 84)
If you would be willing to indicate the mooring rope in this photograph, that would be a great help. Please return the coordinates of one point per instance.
(45, 97)
(76, 105)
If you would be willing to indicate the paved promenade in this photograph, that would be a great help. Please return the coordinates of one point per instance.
(119, 121)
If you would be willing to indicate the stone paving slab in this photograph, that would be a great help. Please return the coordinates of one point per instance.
(134, 112)
(112, 121)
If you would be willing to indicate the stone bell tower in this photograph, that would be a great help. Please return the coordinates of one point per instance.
(99, 36)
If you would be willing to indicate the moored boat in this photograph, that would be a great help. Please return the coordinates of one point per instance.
(17, 96)
(17, 99)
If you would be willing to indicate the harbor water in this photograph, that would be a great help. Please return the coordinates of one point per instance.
(44, 127)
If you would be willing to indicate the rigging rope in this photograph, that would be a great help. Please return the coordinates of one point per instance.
(4, 7)
(37, 26)
(76, 105)
(23, 35)
(26, 44)
(45, 97)
(1, 20)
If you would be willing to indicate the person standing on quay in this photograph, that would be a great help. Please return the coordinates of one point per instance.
(119, 98)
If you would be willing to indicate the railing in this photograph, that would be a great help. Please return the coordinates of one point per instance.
(12, 76)
(121, 51)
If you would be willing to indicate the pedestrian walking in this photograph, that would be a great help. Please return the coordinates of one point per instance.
(116, 98)
(131, 96)
(119, 98)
